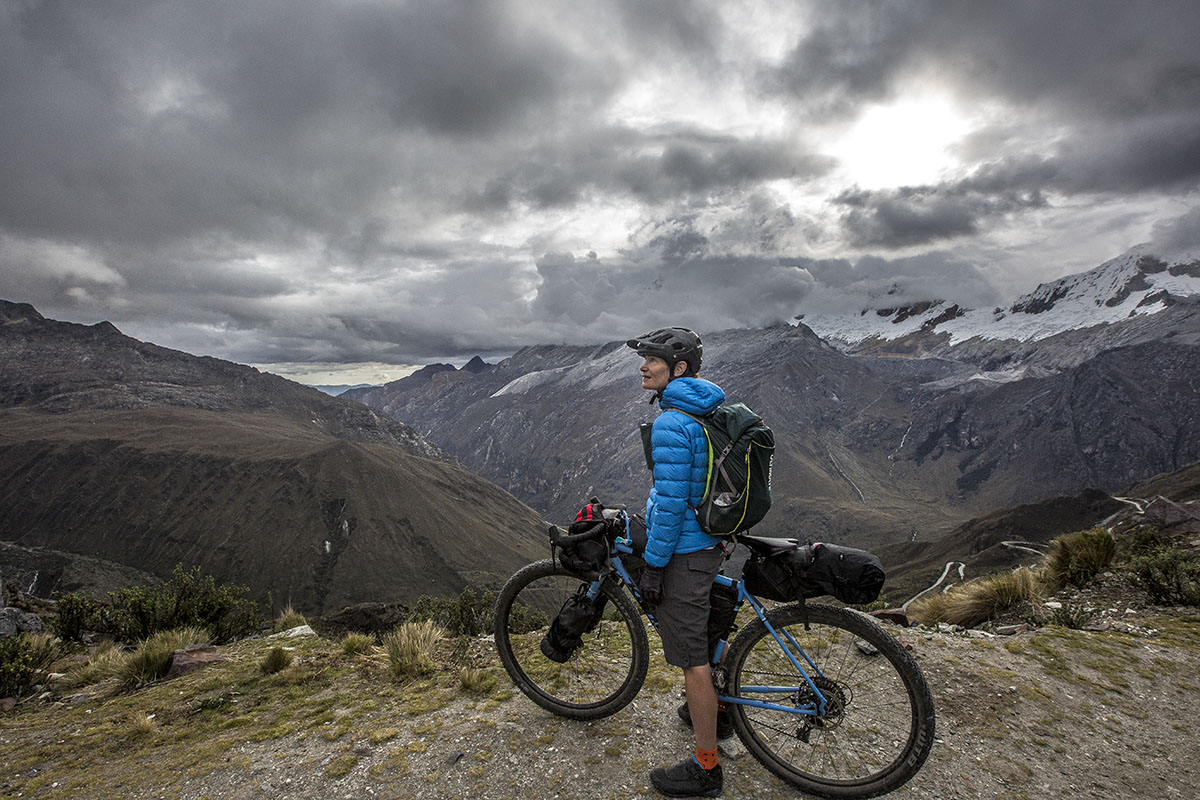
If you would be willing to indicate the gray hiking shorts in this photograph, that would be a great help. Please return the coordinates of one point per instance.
(683, 613)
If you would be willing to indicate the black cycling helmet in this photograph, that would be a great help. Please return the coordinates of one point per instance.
(671, 345)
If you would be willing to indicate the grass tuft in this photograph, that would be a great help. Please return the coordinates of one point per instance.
(977, 601)
(141, 724)
(152, 658)
(357, 643)
(275, 660)
(289, 618)
(1076, 558)
(476, 681)
(411, 648)
(103, 661)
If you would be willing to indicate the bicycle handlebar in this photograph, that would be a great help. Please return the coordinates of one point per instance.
(562, 539)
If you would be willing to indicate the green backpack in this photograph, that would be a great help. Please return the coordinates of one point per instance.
(737, 493)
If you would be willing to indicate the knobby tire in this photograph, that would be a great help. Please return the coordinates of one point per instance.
(880, 725)
(602, 676)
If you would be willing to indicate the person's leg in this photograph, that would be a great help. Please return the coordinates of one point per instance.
(683, 625)
(702, 704)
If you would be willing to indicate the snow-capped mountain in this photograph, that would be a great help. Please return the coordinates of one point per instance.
(1137, 283)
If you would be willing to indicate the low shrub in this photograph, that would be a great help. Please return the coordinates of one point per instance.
(24, 659)
(275, 660)
(1170, 575)
(977, 601)
(411, 648)
(525, 619)
(74, 613)
(187, 599)
(1141, 540)
(468, 614)
(1076, 558)
(1072, 616)
(878, 604)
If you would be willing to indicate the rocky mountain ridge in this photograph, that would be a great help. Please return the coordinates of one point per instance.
(870, 449)
(61, 367)
(149, 457)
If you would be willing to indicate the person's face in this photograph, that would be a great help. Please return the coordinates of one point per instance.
(656, 375)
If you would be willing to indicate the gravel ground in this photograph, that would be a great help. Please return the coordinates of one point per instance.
(1012, 722)
(1047, 712)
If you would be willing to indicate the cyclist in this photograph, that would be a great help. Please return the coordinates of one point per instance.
(682, 559)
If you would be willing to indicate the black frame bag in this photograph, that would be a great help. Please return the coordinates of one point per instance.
(577, 616)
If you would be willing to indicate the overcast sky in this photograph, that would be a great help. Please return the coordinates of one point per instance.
(389, 183)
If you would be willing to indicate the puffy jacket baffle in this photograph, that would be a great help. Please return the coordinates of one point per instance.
(680, 451)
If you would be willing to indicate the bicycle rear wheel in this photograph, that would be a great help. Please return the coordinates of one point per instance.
(603, 674)
(879, 724)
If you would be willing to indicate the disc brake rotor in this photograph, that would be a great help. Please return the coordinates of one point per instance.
(836, 700)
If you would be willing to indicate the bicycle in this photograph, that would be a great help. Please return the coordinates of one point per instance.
(821, 695)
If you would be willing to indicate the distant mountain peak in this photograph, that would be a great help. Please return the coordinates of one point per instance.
(1136, 283)
(476, 365)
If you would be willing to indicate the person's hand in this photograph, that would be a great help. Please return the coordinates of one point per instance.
(650, 587)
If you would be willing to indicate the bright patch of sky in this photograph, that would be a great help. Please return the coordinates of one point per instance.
(371, 373)
(909, 141)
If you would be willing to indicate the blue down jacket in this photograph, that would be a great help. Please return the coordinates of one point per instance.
(680, 452)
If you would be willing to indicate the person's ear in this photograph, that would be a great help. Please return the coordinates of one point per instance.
(681, 369)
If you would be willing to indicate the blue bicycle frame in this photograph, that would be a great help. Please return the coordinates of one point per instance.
(624, 546)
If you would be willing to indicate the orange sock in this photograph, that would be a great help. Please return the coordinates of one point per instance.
(706, 758)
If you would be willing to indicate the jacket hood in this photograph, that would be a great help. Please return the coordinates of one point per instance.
(693, 395)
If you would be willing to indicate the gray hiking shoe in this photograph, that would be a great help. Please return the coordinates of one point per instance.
(688, 779)
(724, 721)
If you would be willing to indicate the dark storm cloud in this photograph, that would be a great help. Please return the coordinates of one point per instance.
(654, 168)
(1109, 58)
(682, 26)
(851, 54)
(1178, 235)
(921, 215)
(1159, 155)
(152, 121)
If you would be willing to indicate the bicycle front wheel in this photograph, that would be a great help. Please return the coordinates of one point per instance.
(604, 672)
(878, 726)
